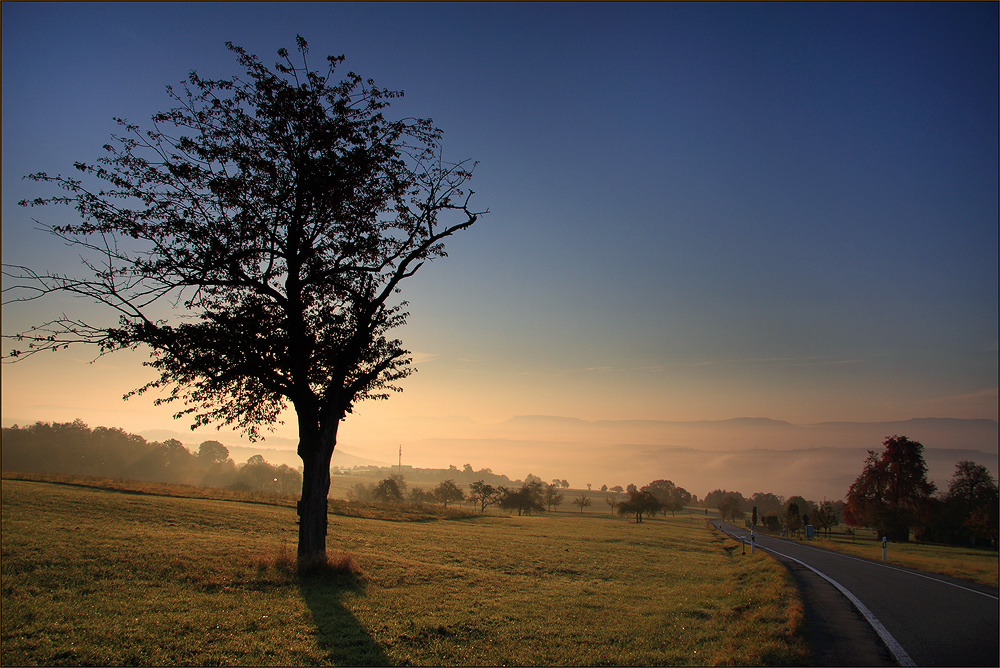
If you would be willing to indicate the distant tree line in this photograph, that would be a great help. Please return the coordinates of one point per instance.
(73, 448)
(460, 476)
(775, 513)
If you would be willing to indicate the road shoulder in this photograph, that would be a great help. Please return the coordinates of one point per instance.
(838, 634)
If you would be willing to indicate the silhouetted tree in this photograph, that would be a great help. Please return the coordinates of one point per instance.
(793, 520)
(713, 498)
(972, 485)
(448, 492)
(805, 507)
(387, 491)
(483, 494)
(418, 495)
(730, 507)
(526, 500)
(282, 210)
(552, 495)
(639, 503)
(767, 503)
(582, 501)
(826, 516)
(975, 494)
(892, 493)
(969, 512)
(670, 496)
(212, 452)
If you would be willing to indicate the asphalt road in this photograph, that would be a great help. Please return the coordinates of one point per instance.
(926, 619)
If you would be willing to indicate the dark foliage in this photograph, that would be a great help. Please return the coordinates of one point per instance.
(892, 494)
(639, 503)
(254, 240)
(527, 500)
(72, 448)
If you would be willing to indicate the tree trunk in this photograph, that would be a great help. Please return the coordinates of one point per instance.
(315, 451)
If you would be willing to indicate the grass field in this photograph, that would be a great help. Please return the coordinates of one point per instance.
(98, 576)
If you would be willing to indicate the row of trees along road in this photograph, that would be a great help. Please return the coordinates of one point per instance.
(775, 513)
(893, 496)
(254, 240)
(73, 448)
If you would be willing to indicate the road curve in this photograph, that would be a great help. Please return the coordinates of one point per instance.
(934, 620)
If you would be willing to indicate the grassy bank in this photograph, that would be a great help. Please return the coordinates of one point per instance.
(96, 576)
(978, 565)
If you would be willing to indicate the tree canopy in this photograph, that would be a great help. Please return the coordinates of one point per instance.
(254, 239)
(892, 494)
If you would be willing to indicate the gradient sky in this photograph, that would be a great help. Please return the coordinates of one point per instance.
(697, 212)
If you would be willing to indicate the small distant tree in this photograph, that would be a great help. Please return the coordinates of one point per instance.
(526, 500)
(975, 496)
(611, 501)
(582, 502)
(360, 492)
(806, 508)
(793, 520)
(729, 507)
(448, 492)
(670, 496)
(483, 494)
(604, 488)
(552, 496)
(387, 491)
(972, 486)
(826, 517)
(639, 503)
(617, 489)
(969, 511)
(212, 452)
(768, 503)
(418, 495)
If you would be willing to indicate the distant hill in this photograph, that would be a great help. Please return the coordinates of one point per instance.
(738, 433)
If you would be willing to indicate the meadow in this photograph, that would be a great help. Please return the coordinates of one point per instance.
(132, 576)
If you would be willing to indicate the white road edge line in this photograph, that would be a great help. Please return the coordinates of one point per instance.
(900, 570)
(902, 658)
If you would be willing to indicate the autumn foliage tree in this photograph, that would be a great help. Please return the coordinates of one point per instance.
(254, 240)
(892, 494)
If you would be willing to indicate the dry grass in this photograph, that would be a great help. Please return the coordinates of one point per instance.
(101, 578)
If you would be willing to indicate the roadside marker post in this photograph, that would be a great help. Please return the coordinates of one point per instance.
(753, 540)
(883, 547)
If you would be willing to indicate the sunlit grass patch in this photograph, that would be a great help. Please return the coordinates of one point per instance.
(95, 577)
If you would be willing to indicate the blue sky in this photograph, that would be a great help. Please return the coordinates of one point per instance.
(697, 211)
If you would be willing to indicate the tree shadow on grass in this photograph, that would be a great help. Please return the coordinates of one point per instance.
(338, 632)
